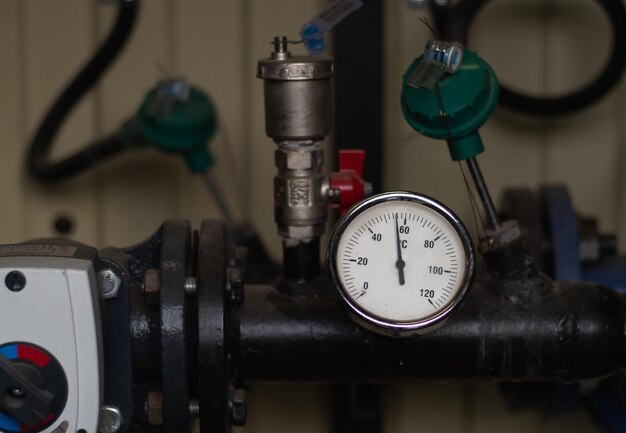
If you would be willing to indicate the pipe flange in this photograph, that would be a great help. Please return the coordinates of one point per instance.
(214, 252)
(175, 251)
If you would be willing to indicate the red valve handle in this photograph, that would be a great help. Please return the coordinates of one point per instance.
(348, 181)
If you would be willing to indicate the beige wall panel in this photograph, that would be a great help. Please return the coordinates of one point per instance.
(490, 414)
(139, 190)
(514, 153)
(582, 147)
(12, 221)
(208, 38)
(304, 408)
(578, 43)
(433, 408)
(508, 35)
(58, 39)
(404, 41)
(138, 195)
(392, 75)
(581, 154)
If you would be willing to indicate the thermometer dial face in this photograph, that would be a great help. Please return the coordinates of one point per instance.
(401, 262)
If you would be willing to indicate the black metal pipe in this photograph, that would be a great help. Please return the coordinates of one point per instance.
(527, 330)
(483, 192)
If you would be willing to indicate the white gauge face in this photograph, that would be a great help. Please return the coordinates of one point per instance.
(401, 261)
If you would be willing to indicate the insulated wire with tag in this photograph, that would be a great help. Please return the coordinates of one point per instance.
(473, 205)
(312, 33)
(476, 214)
(441, 58)
(225, 143)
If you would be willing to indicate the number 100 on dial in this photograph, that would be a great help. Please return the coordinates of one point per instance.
(401, 262)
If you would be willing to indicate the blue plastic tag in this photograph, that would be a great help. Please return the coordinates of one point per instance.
(312, 33)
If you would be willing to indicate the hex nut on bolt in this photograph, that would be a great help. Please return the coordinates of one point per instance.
(191, 284)
(238, 407)
(235, 285)
(111, 419)
(301, 232)
(109, 283)
(152, 286)
(508, 233)
(194, 408)
(154, 408)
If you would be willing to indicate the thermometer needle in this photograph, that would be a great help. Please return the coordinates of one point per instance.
(399, 263)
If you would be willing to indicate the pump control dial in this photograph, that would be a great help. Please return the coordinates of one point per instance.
(33, 388)
(401, 263)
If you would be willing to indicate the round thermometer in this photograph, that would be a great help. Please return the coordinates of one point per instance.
(401, 262)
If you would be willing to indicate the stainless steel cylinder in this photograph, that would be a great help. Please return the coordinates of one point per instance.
(298, 95)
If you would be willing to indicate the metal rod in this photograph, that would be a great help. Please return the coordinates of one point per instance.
(361, 79)
(218, 197)
(483, 192)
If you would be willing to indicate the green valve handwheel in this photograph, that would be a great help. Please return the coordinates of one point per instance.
(455, 107)
(178, 118)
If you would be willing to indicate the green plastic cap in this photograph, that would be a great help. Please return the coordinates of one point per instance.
(182, 126)
(467, 97)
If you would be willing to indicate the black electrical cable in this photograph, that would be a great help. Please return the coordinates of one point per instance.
(37, 163)
(453, 23)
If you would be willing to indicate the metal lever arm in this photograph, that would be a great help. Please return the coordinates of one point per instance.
(20, 397)
(348, 182)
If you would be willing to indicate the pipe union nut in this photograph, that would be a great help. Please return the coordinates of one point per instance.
(294, 160)
(301, 232)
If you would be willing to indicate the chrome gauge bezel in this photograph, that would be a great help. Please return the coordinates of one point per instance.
(382, 325)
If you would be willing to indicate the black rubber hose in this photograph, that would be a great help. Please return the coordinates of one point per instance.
(454, 24)
(38, 165)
